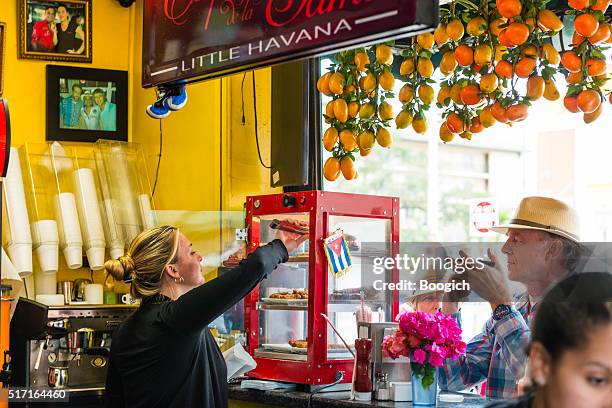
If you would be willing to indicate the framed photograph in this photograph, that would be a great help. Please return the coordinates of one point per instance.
(84, 104)
(55, 30)
(2, 42)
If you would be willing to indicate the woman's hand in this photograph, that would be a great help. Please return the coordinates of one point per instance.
(290, 239)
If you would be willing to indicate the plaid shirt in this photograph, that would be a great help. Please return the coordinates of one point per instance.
(497, 354)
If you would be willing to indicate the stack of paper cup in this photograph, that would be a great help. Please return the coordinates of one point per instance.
(89, 217)
(45, 240)
(10, 277)
(148, 219)
(116, 244)
(55, 158)
(69, 230)
(122, 184)
(45, 283)
(19, 238)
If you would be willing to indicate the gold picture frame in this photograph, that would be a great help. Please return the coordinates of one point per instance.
(55, 30)
(2, 46)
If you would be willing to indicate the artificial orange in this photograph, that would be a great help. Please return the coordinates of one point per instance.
(384, 137)
(329, 109)
(386, 81)
(476, 26)
(488, 83)
(509, 8)
(403, 120)
(483, 54)
(470, 95)
(577, 39)
(551, 92)
(535, 87)
(499, 112)
(503, 69)
(588, 101)
(384, 54)
(426, 94)
(596, 67)
(348, 140)
(517, 33)
(336, 83)
(406, 94)
(571, 61)
(443, 94)
(454, 29)
(578, 4)
(592, 117)
(445, 134)
(602, 34)
(330, 138)
(476, 126)
(425, 67)
(530, 51)
(353, 109)
(505, 40)
(323, 84)
(500, 51)
(531, 24)
(494, 26)
(341, 110)
(366, 140)
(407, 66)
(571, 103)
(524, 67)
(486, 117)
(347, 167)
(366, 111)
(464, 55)
(440, 36)
(551, 54)
(385, 111)
(601, 5)
(574, 77)
(517, 112)
(448, 63)
(425, 40)
(455, 124)
(455, 93)
(586, 25)
(361, 60)
(549, 21)
(331, 169)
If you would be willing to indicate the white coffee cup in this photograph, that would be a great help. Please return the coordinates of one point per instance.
(127, 299)
(94, 294)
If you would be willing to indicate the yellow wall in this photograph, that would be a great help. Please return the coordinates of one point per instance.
(209, 159)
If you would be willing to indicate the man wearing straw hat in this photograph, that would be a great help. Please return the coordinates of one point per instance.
(541, 249)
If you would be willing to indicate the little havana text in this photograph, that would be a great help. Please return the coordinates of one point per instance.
(423, 284)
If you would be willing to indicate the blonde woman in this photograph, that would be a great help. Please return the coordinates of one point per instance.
(163, 355)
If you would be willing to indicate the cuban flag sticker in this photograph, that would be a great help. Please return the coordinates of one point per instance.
(337, 252)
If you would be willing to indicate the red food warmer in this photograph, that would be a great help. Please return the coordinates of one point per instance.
(286, 333)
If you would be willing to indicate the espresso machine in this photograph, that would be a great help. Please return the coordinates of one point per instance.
(63, 347)
(397, 370)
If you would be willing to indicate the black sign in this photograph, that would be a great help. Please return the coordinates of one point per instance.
(200, 39)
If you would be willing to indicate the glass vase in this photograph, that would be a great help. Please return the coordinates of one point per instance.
(423, 396)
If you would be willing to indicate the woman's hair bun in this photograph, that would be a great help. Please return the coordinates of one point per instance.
(121, 269)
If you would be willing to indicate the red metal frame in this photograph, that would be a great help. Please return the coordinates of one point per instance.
(320, 205)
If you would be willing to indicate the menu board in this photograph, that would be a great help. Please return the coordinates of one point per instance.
(199, 39)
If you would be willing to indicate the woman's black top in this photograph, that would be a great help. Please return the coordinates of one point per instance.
(523, 402)
(66, 40)
(163, 355)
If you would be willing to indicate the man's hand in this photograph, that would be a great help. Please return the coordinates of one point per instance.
(491, 283)
(290, 239)
(53, 28)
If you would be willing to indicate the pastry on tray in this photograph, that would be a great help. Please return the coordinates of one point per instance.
(295, 294)
(298, 343)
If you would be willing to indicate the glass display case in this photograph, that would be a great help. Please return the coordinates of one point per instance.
(287, 333)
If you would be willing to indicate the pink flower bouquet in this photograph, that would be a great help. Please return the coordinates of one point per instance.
(427, 340)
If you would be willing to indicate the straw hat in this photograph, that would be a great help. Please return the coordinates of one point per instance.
(544, 214)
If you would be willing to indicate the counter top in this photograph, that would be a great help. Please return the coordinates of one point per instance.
(297, 399)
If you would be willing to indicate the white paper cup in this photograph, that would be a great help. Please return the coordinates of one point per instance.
(43, 232)
(74, 256)
(95, 258)
(94, 294)
(116, 252)
(48, 257)
(46, 283)
(21, 257)
(51, 300)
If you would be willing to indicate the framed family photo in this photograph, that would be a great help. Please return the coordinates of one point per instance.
(2, 45)
(55, 30)
(84, 104)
